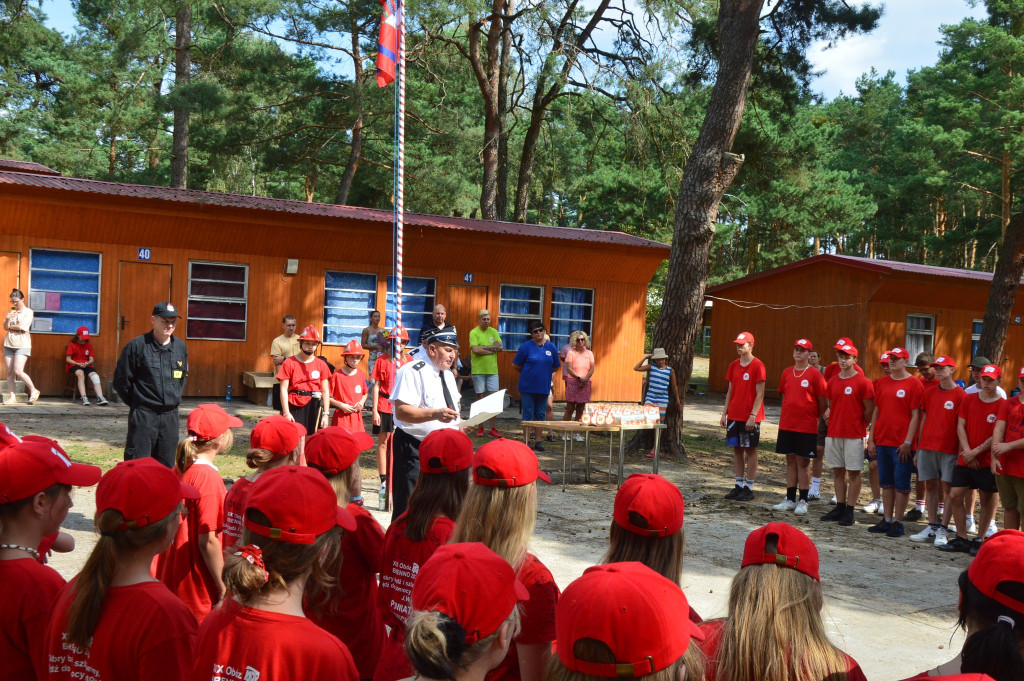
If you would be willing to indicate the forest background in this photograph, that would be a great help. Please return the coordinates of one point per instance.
(579, 114)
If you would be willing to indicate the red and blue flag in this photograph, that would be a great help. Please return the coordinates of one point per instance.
(387, 44)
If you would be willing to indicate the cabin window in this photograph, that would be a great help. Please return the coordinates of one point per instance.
(517, 307)
(572, 309)
(349, 298)
(975, 336)
(920, 334)
(217, 300)
(64, 291)
(417, 305)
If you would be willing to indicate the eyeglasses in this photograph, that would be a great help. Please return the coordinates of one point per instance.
(537, 331)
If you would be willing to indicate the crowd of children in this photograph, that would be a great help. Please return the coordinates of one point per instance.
(958, 443)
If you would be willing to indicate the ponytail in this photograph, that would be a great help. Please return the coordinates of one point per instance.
(436, 644)
(93, 582)
(189, 448)
(263, 459)
(994, 644)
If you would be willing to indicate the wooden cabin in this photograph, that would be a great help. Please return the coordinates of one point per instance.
(100, 254)
(879, 304)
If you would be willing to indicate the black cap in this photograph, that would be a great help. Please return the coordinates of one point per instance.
(447, 335)
(165, 309)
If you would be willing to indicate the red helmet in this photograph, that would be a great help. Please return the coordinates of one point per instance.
(352, 348)
(400, 332)
(309, 334)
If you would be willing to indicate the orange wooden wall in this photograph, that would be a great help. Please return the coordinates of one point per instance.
(116, 227)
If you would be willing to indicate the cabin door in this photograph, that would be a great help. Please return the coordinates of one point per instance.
(10, 277)
(141, 285)
(464, 303)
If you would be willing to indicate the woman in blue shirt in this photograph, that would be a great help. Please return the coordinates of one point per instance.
(535, 361)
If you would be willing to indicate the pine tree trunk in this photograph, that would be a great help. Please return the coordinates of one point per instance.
(1003, 292)
(709, 171)
(182, 74)
(501, 190)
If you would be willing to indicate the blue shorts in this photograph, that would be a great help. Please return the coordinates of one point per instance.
(891, 471)
(535, 406)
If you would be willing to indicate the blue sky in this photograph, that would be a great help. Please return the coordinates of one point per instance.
(905, 39)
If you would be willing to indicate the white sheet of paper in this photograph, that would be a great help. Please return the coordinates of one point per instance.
(485, 409)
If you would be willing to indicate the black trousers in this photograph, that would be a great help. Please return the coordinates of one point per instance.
(152, 433)
(406, 470)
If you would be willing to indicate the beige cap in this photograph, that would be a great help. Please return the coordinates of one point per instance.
(659, 353)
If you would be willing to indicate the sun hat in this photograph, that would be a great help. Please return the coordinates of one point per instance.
(649, 505)
(472, 585)
(31, 466)
(794, 549)
(300, 504)
(143, 490)
(334, 449)
(277, 435)
(209, 421)
(446, 451)
(638, 614)
(513, 463)
(659, 353)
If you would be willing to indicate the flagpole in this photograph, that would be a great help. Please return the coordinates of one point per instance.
(400, 161)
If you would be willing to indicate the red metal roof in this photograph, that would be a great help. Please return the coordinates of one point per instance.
(872, 264)
(196, 197)
(26, 167)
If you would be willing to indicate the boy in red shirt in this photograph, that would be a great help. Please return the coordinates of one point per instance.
(851, 399)
(1008, 456)
(938, 445)
(743, 413)
(975, 425)
(348, 390)
(803, 401)
(383, 377)
(894, 425)
(79, 359)
(305, 380)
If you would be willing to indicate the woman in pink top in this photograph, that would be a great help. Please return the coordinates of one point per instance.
(579, 367)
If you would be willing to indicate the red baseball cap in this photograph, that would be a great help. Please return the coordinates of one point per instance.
(804, 343)
(991, 370)
(841, 342)
(1000, 560)
(1019, 374)
(900, 352)
(446, 451)
(884, 358)
(649, 505)
(849, 349)
(471, 584)
(300, 504)
(333, 449)
(513, 463)
(143, 490)
(970, 676)
(30, 466)
(794, 549)
(7, 437)
(943, 361)
(209, 421)
(637, 613)
(744, 337)
(277, 435)
(83, 332)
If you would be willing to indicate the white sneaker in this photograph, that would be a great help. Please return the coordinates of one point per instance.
(814, 495)
(834, 500)
(565, 436)
(972, 526)
(784, 505)
(873, 506)
(924, 535)
(801, 508)
(941, 536)
(992, 529)
(577, 437)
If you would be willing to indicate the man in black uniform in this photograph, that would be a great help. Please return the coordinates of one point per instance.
(150, 377)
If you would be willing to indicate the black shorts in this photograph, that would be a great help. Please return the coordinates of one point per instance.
(981, 479)
(387, 423)
(801, 444)
(308, 415)
(85, 370)
(737, 435)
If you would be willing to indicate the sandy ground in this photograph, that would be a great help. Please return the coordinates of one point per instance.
(890, 603)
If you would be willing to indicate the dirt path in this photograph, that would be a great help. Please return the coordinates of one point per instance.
(890, 603)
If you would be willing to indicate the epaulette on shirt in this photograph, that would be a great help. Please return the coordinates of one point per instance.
(419, 365)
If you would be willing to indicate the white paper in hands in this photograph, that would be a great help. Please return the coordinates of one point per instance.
(485, 409)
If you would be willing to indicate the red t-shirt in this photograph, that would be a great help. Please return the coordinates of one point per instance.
(348, 389)
(28, 591)
(355, 619)
(941, 409)
(144, 632)
(832, 370)
(800, 399)
(268, 646)
(80, 353)
(846, 406)
(895, 401)
(744, 380)
(384, 374)
(234, 512)
(1012, 412)
(713, 640)
(979, 422)
(538, 615)
(401, 562)
(308, 376)
(181, 567)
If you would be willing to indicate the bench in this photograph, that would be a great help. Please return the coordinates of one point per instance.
(259, 384)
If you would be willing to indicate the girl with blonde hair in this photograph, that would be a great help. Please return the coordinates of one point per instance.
(500, 512)
(191, 567)
(775, 597)
(114, 617)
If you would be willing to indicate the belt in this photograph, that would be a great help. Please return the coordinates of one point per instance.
(307, 393)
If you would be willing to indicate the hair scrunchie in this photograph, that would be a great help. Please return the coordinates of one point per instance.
(1006, 619)
(254, 555)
